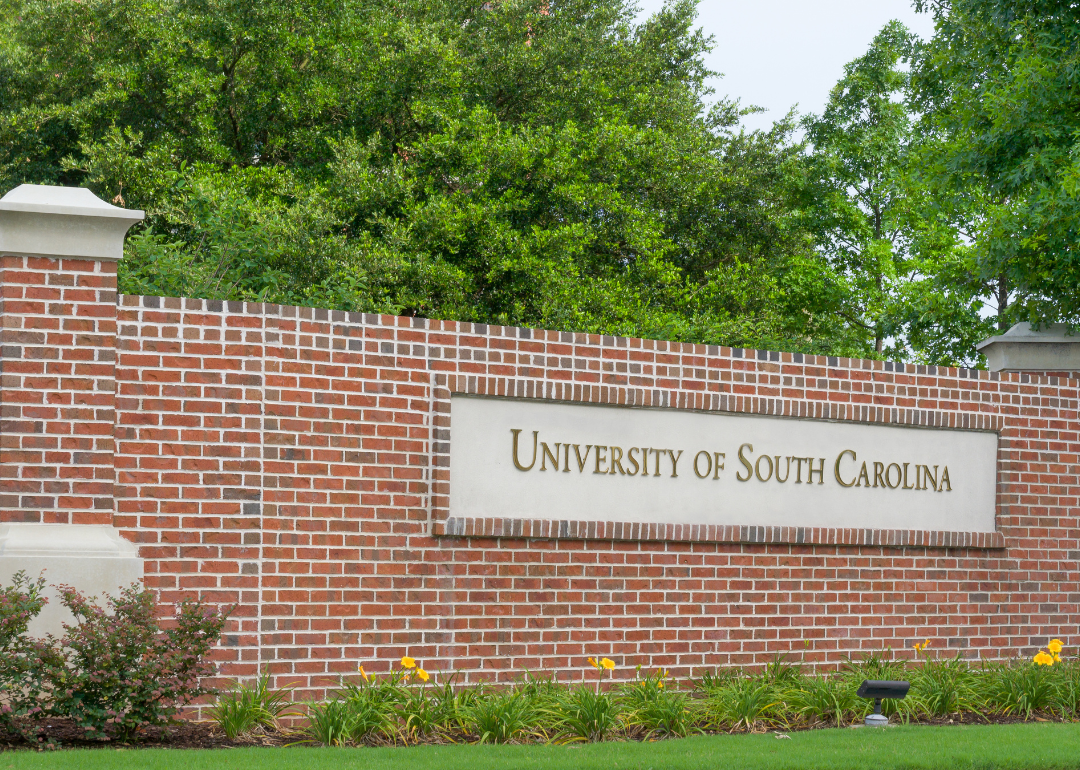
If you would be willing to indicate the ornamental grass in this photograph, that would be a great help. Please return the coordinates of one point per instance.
(410, 705)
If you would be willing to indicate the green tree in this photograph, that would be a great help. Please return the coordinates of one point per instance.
(1000, 83)
(896, 252)
(517, 162)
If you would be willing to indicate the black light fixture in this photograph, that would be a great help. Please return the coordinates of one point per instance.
(878, 690)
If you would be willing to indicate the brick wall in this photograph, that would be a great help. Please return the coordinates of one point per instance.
(57, 354)
(292, 461)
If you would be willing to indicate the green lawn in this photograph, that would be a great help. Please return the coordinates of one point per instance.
(1005, 747)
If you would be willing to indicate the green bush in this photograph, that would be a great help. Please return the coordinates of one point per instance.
(113, 672)
(24, 691)
(122, 671)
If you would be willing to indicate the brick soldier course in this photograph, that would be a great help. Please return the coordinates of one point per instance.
(294, 462)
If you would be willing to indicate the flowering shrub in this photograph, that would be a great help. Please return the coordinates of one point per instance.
(119, 671)
(23, 691)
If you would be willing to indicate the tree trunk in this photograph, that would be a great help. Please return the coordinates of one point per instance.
(1002, 301)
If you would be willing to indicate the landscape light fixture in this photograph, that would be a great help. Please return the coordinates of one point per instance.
(879, 690)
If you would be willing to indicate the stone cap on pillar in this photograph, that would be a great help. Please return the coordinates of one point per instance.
(1023, 349)
(50, 221)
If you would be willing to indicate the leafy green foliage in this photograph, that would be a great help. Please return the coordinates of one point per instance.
(522, 163)
(654, 708)
(331, 723)
(115, 671)
(1019, 688)
(584, 714)
(390, 708)
(24, 693)
(502, 717)
(823, 699)
(744, 703)
(899, 257)
(943, 687)
(247, 707)
(998, 87)
(122, 671)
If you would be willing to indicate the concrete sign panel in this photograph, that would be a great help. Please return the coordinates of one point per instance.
(545, 460)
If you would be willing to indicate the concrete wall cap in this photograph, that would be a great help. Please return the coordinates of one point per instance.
(51, 221)
(74, 201)
(1023, 349)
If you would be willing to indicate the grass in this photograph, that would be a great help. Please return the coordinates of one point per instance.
(1038, 746)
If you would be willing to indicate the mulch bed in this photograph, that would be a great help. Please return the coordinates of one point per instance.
(62, 734)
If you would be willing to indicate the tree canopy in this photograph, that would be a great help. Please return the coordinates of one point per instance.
(559, 164)
(512, 162)
(999, 85)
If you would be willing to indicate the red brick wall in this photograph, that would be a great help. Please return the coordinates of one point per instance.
(293, 461)
(57, 362)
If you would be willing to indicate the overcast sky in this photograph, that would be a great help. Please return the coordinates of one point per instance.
(779, 53)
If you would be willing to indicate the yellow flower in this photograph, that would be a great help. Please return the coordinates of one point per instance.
(422, 674)
(593, 663)
(608, 664)
(1043, 659)
(1057, 658)
(362, 672)
(660, 684)
(1055, 646)
(408, 662)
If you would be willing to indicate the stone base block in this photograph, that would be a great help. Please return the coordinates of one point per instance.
(93, 558)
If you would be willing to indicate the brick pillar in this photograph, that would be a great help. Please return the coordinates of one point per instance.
(59, 249)
(57, 391)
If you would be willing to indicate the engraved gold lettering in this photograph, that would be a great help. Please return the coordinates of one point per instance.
(645, 461)
(656, 465)
(757, 468)
(601, 451)
(674, 462)
(517, 463)
(787, 474)
(879, 468)
(708, 464)
(566, 464)
(819, 471)
(546, 453)
(582, 460)
(863, 475)
(616, 460)
(633, 460)
(798, 469)
(932, 478)
(946, 485)
(745, 462)
(906, 478)
(888, 475)
(836, 468)
(718, 463)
